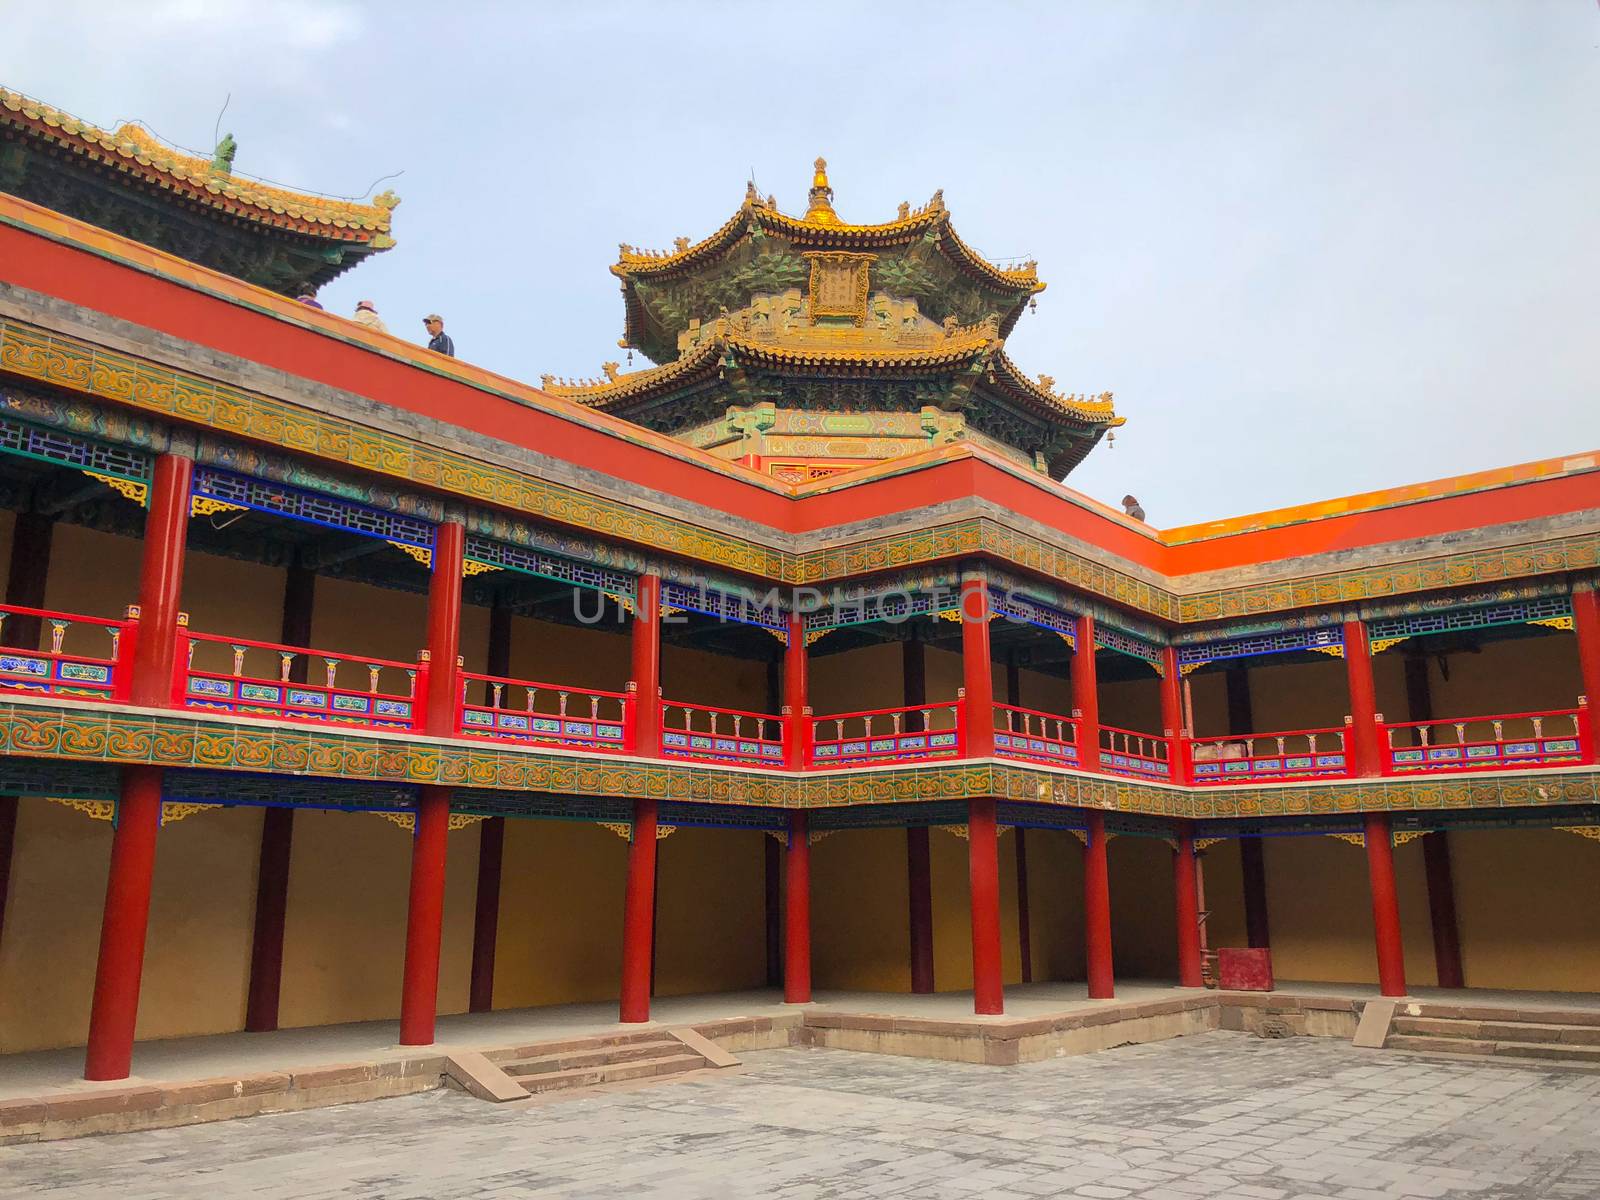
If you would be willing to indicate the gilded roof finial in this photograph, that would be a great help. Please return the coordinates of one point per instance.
(820, 211)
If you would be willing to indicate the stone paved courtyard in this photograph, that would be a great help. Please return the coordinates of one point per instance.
(1221, 1115)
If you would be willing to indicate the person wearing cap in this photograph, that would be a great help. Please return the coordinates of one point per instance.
(309, 298)
(367, 314)
(438, 340)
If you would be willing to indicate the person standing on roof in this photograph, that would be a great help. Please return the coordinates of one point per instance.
(367, 314)
(438, 340)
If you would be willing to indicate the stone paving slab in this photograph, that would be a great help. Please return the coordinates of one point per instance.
(1220, 1115)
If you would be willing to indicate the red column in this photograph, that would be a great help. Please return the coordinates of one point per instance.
(1097, 909)
(1363, 701)
(486, 915)
(647, 668)
(272, 903)
(491, 845)
(1172, 714)
(122, 930)
(444, 629)
(166, 528)
(1187, 885)
(419, 995)
(1086, 695)
(1442, 909)
(1385, 906)
(919, 893)
(797, 914)
(638, 914)
(983, 870)
(419, 992)
(977, 670)
(1586, 625)
(133, 848)
(796, 695)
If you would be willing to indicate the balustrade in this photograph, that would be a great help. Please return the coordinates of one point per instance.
(1290, 754)
(887, 735)
(72, 673)
(1129, 752)
(1038, 736)
(385, 694)
(520, 710)
(1484, 743)
(711, 734)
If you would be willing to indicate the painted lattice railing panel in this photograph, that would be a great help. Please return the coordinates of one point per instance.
(88, 658)
(1289, 754)
(1484, 743)
(711, 734)
(887, 735)
(1035, 735)
(297, 683)
(1129, 752)
(551, 714)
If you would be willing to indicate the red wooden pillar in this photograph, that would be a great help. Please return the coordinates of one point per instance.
(796, 695)
(983, 871)
(919, 865)
(1024, 915)
(1172, 723)
(977, 670)
(638, 914)
(419, 993)
(277, 833)
(1364, 751)
(491, 847)
(797, 913)
(647, 668)
(115, 1010)
(1097, 909)
(1186, 883)
(166, 528)
(1385, 906)
(1086, 695)
(1586, 625)
(122, 930)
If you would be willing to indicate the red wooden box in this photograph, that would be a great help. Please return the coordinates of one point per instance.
(1244, 970)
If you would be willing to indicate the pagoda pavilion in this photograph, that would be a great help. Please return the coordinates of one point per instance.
(342, 682)
(806, 346)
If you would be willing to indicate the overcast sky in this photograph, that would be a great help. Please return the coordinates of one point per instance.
(1313, 248)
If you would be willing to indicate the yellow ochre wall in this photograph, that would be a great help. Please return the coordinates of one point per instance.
(1222, 885)
(859, 906)
(560, 932)
(711, 926)
(1055, 903)
(1528, 909)
(1144, 926)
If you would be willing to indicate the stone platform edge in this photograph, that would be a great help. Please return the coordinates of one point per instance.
(991, 1041)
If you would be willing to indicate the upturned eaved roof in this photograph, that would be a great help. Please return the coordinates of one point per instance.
(134, 150)
(821, 229)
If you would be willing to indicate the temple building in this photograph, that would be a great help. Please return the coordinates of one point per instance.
(343, 681)
(805, 347)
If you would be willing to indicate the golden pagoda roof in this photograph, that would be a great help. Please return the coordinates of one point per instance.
(822, 228)
(834, 352)
(135, 152)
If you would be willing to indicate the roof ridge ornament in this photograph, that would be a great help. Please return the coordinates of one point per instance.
(820, 210)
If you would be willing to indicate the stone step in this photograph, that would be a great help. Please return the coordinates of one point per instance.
(1494, 1049)
(578, 1077)
(593, 1041)
(593, 1056)
(1480, 1012)
(1500, 1031)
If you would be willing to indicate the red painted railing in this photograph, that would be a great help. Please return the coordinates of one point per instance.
(69, 673)
(256, 679)
(887, 735)
(1129, 752)
(1036, 736)
(710, 734)
(1290, 754)
(552, 714)
(1485, 743)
